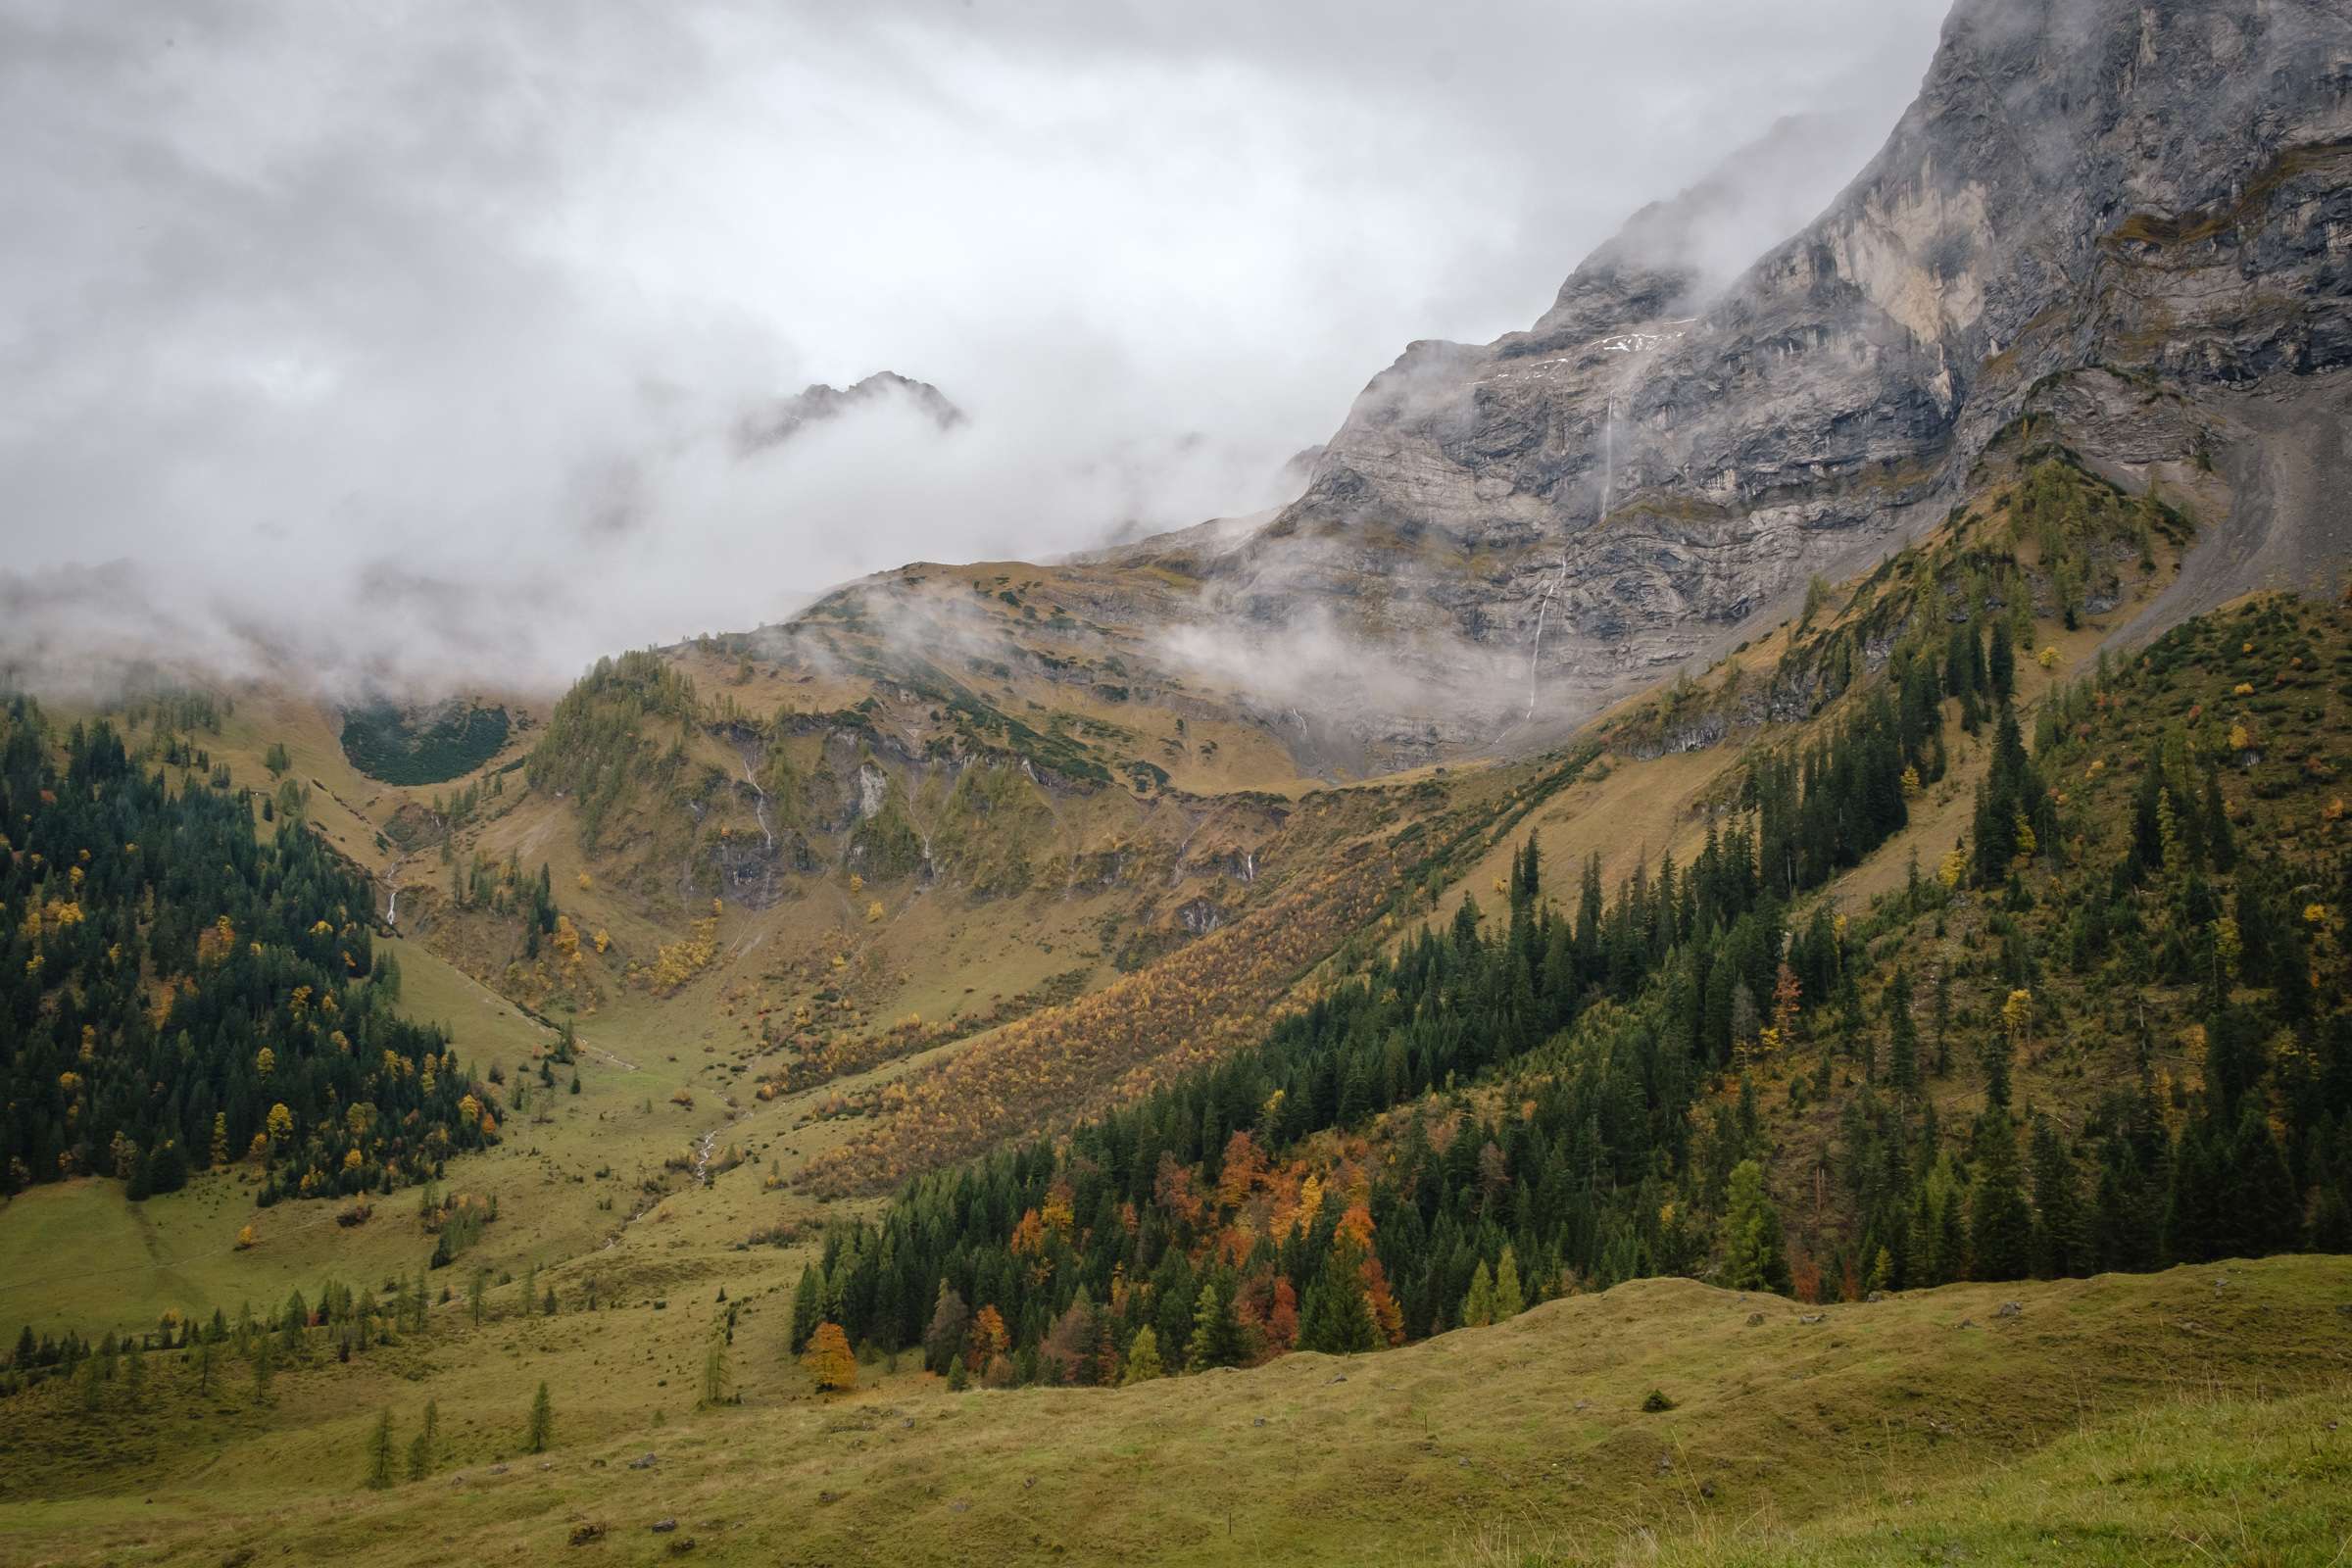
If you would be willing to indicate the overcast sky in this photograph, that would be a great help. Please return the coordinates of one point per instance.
(411, 337)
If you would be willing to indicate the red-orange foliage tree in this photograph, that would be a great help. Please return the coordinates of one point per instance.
(828, 1361)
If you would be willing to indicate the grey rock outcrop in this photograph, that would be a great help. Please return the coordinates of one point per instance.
(1500, 538)
(787, 417)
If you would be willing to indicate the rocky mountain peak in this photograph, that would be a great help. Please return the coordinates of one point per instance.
(819, 403)
(1529, 526)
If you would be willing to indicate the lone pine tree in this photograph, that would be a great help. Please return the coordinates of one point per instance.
(541, 1423)
(379, 1454)
(421, 1447)
(1755, 1254)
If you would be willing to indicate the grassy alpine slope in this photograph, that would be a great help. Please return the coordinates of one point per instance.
(2190, 1416)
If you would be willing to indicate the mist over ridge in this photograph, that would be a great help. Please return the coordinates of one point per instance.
(413, 353)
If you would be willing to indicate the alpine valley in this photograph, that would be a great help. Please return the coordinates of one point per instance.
(1726, 942)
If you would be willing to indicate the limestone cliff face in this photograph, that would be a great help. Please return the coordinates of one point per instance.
(2132, 220)
(1525, 528)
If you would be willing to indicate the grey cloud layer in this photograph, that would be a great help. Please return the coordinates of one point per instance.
(405, 343)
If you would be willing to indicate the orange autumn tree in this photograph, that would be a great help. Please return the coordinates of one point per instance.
(1282, 1318)
(1244, 1169)
(1387, 1316)
(1057, 1215)
(828, 1361)
(1172, 1190)
(989, 1338)
(1805, 1275)
(1267, 1308)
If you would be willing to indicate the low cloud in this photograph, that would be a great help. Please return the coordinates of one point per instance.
(409, 348)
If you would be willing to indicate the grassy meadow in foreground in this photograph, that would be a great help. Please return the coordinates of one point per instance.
(2194, 1416)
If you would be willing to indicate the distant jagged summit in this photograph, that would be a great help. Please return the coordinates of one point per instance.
(819, 403)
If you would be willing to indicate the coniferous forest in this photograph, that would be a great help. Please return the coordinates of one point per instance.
(180, 989)
(1555, 1100)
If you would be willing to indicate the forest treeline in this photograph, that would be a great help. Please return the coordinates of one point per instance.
(181, 990)
(1552, 1101)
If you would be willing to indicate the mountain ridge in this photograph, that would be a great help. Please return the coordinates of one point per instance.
(2080, 218)
(1833, 398)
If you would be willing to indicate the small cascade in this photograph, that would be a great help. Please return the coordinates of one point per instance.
(1534, 658)
(759, 809)
(1608, 482)
(1635, 347)
(1608, 457)
(391, 883)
